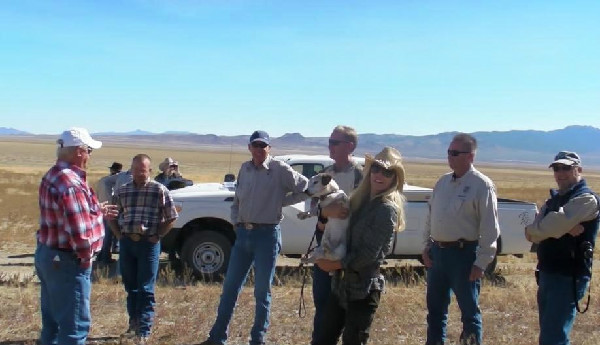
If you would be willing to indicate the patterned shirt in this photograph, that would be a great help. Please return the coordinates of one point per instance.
(70, 214)
(142, 209)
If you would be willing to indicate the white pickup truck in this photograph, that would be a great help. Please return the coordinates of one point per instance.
(203, 234)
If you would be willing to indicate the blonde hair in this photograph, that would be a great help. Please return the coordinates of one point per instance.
(391, 159)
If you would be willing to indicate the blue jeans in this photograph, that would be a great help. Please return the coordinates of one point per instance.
(139, 268)
(321, 293)
(105, 254)
(556, 304)
(259, 246)
(65, 290)
(450, 273)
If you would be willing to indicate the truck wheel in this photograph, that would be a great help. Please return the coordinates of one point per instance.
(207, 253)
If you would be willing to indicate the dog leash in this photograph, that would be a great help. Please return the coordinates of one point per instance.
(302, 304)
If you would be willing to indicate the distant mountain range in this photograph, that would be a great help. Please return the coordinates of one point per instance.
(514, 147)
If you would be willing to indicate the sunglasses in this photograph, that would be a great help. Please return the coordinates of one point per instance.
(259, 144)
(376, 169)
(558, 168)
(335, 142)
(455, 153)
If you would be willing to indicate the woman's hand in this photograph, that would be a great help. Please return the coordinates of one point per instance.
(329, 265)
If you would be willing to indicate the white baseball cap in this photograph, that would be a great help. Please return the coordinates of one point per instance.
(76, 136)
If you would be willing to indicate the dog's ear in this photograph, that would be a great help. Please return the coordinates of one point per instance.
(325, 179)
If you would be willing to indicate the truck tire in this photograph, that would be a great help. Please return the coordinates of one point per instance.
(207, 254)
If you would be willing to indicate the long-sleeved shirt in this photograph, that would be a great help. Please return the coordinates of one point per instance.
(262, 191)
(369, 238)
(142, 209)
(556, 224)
(465, 208)
(70, 214)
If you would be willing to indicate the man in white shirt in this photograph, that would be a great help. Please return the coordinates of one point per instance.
(460, 242)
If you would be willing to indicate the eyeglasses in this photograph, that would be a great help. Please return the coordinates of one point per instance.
(336, 142)
(558, 168)
(259, 144)
(455, 153)
(376, 169)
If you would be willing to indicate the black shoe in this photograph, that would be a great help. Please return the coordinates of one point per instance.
(209, 342)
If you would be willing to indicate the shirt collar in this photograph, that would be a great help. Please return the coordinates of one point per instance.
(66, 165)
(264, 164)
(454, 178)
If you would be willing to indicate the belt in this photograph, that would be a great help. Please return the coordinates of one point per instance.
(251, 226)
(448, 244)
(65, 250)
(137, 237)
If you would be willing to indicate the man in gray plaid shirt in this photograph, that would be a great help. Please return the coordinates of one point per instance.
(146, 214)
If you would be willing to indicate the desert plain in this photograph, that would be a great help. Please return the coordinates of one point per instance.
(186, 308)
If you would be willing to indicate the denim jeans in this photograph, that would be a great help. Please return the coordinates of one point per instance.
(65, 290)
(321, 285)
(450, 273)
(139, 268)
(259, 246)
(105, 254)
(321, 294)
(352, 323)
(556, 304)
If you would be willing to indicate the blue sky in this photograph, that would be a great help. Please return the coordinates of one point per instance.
(228, 67)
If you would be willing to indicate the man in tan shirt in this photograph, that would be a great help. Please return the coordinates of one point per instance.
(460, 242)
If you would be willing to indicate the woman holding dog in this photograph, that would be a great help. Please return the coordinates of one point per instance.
(377, 211)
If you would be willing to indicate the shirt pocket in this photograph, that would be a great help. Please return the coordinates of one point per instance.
(457, 204)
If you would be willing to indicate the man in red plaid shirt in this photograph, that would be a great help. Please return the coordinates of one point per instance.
(70, 234)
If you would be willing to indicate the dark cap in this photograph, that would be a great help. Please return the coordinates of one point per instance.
(116, 166)
(260, 136)
(566, 158)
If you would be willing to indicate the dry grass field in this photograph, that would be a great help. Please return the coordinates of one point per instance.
(185, 310)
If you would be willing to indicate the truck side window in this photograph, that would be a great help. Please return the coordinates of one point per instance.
(308, 169)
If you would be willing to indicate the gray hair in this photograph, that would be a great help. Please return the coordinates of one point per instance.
(65, 153)
(469, 142)
(348, 132)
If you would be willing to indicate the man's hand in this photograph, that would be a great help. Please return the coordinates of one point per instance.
(476, 273)
(426, 259)
(527, 235)
(154, 239)
(335, 210)
(109, 211)
(576, 230)
(329, 265)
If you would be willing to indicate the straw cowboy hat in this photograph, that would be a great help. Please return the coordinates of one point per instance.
(167, 163)
(390, 159)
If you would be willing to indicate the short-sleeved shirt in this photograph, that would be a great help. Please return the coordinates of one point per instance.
(70, 214)
(142, 209)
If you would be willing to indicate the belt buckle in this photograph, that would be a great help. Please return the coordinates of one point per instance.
(135, 237)
(248, 226)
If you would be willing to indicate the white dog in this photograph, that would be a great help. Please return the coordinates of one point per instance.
(333, 243)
